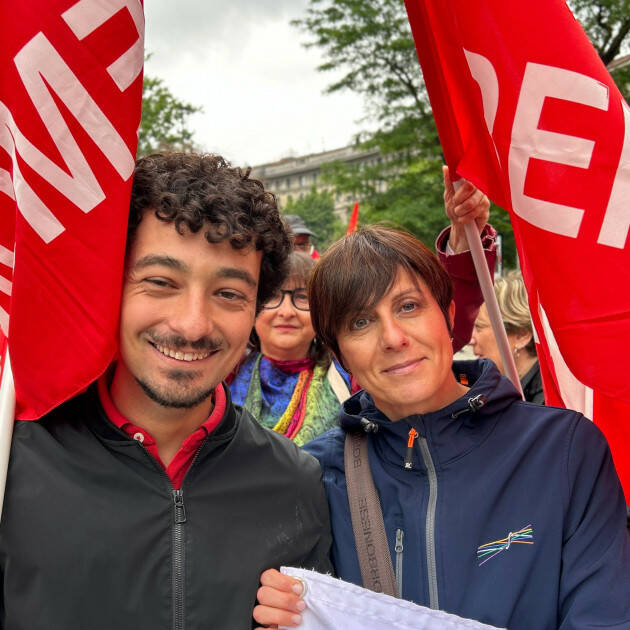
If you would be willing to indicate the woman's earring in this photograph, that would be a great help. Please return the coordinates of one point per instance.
(517, 351)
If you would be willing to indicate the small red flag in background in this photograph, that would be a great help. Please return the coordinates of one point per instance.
(70, 103)
(354, 219)
(527, 112)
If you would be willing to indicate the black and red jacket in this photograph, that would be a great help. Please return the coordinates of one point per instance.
(93, 535)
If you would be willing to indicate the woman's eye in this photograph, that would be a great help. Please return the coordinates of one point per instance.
(408, 307)
(360, 323)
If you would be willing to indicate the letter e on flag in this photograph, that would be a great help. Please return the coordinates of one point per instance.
(527, 112)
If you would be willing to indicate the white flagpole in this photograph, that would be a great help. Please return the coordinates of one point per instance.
(7, 416)
(487, 289)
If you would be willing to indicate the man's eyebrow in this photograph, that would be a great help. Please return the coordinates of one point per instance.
(238, 274)
(161, 260)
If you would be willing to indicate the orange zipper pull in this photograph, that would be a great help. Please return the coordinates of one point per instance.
(413, 434)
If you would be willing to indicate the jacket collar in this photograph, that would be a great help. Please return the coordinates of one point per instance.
(452, 431)
(115, 438)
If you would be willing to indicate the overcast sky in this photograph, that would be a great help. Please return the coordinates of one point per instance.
(245, 64)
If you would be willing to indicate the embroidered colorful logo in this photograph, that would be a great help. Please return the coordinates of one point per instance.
(524, 536)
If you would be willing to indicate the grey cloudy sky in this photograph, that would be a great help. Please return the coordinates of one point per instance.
(245, 64)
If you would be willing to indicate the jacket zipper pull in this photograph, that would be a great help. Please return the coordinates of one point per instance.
(413, 434)
(398, 548)
(180, 510)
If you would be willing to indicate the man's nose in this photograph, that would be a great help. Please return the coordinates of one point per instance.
(192, 318)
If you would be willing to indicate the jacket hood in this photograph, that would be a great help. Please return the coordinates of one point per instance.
(451, 430)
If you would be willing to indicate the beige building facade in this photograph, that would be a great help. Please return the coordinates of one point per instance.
(295, 177)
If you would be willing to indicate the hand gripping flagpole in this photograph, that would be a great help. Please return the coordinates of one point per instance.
(7, 414)
(486, 284)
(490, 298)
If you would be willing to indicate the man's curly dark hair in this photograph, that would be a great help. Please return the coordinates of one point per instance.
(197, 192)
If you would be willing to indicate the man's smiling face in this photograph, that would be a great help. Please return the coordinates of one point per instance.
(187, 310)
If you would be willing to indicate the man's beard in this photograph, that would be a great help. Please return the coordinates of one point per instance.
(185, 399)
(179, 397)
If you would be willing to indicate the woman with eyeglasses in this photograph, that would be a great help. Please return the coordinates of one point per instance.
(290, 382)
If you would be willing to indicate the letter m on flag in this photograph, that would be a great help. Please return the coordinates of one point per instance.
(70, 102)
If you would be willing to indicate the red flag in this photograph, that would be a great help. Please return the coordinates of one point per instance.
(354, 219)
(70, 101)
(526, 111)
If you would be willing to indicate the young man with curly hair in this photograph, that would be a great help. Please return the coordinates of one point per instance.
(150, 501)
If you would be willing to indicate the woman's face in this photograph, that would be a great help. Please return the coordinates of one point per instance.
(285, 332)
(400, 351)
(483, 341)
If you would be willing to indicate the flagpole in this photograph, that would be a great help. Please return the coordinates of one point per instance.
(487, 289)
(7, 415)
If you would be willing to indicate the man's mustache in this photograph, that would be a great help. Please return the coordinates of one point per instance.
(202, 344)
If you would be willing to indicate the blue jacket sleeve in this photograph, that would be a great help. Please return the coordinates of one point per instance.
(595, 578)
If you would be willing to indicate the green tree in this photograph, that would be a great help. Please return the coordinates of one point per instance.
(317, 210)
(164, 119)
(607, 23)
(370, 42)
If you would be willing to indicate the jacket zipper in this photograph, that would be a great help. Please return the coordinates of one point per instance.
(430, 524)
(178, 563)
(398, 548)
(179, 559)
(179, 550)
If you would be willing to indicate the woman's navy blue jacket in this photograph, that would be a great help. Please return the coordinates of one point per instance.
(512, 513)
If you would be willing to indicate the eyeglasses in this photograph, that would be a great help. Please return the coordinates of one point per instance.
(299, 299)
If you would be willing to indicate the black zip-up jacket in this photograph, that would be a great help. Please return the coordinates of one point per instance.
(93, 535)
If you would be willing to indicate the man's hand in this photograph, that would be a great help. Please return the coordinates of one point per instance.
(466, 205)
(279, 602)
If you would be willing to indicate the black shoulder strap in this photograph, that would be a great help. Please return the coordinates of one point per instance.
(370, 538)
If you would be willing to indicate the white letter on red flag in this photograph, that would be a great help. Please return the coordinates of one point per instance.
(70, 102)
(534, 120)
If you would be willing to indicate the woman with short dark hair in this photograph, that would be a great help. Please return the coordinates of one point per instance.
(494, 509)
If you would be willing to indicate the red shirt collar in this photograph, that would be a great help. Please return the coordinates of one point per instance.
(177, 469)
(120, 421)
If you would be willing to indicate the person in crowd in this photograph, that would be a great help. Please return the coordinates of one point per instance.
(494, 509)
(144, 501)
(512, 299)
(290, 383)
(301, 235)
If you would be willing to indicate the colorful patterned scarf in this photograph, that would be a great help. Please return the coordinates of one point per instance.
(293, 398)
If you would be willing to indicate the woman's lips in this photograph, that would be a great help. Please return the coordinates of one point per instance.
(404, 368)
